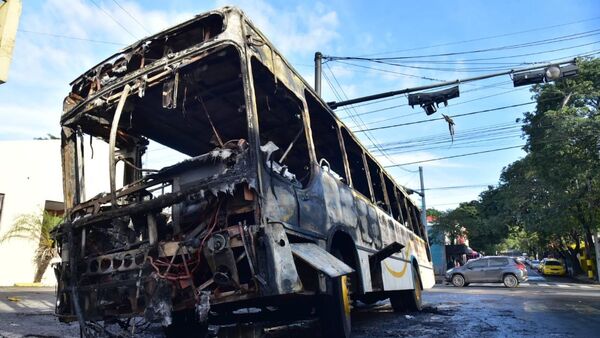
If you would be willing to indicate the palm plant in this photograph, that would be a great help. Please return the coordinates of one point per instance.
(34, 226)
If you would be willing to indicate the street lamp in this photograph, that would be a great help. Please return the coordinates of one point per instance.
(548, 74)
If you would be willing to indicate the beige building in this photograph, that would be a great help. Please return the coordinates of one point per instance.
(30, 181)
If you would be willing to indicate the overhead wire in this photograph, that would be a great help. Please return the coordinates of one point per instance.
(441, 118)
(487, 37)
(71, 37)
(458, 187)
(469, 138)
(535, 43)
(550, 140)
(113, 19)
(494, 58)
(131, 16)
(349, 110)
(455, 156)
(419, 113)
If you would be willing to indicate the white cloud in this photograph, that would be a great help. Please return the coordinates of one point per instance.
(43, 66)
(296, 30)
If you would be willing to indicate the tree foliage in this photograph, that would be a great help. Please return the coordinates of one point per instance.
(551, 197)
(36, 227)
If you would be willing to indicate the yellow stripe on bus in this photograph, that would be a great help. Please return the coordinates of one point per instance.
(399, 274)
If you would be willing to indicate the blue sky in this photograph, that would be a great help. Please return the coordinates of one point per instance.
(43, 66)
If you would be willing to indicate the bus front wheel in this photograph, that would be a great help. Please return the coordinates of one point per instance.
(335, 308)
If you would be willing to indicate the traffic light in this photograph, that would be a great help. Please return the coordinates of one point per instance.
(431, 100)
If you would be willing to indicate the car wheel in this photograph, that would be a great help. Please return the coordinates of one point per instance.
(458, 280)
(510, 281)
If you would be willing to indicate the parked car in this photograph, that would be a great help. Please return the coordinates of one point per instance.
(554, 267)
(535, 264)
(490, 269)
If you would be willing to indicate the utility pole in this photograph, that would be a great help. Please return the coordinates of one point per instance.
(318, 63)
(423, 205)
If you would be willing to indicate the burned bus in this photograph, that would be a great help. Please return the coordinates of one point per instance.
(275, 207)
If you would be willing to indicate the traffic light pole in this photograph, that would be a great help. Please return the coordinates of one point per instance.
(334, 105)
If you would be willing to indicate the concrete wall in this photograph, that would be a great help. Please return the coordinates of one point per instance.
(31, 174)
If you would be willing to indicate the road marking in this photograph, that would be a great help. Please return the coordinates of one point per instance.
(562, 285)
(542, 284)
(525, 284)
(585, 286)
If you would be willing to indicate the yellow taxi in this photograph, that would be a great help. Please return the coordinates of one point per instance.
(553, 267)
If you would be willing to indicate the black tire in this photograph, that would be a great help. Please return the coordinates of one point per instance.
(185, 325)
(458, 280)
(335, 308)
(410, 300)
(510, 281)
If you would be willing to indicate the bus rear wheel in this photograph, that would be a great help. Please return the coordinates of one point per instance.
(409, 300)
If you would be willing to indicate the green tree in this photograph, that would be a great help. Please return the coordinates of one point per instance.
(563, 144)
(36, 226)
(550, 198)
(434, 213)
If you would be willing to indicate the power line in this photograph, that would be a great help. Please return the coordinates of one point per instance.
(419, 113)
(487, 37)
(455, 156)
(131, 16)
(471, 131)
(458, 187)
(494, 58)
(449, 203)
(548, 141)
(441, 118)
(372, 139)
(71, 37)
(335, 105)
(465, 141)
(113, 19)
(475, 51)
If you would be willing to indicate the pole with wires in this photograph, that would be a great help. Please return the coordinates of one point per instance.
(512, 72)
(318, 70)
(423, 205)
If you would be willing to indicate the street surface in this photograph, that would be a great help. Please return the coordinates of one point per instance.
(542, 307)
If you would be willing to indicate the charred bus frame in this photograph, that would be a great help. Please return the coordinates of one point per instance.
(277, 204)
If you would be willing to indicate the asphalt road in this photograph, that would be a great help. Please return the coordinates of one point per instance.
(542, 307)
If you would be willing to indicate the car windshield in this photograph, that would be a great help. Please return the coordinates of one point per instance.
(554, 263)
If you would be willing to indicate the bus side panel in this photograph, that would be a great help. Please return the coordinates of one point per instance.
(427, 276)
(365, 270)
(280, 200)
(397, 274)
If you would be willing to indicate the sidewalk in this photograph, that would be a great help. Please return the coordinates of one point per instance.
(29, 312)
(584, 279)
